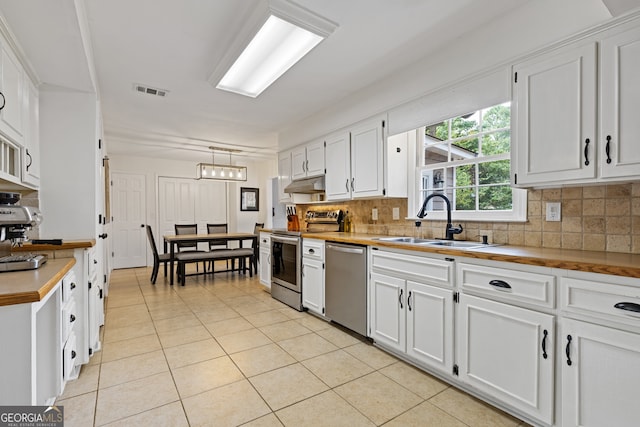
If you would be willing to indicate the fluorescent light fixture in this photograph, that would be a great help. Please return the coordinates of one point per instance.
(288, 32)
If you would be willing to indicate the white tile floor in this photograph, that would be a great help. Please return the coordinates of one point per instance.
(221, 352)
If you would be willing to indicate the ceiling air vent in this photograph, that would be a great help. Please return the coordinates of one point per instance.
(151, 90)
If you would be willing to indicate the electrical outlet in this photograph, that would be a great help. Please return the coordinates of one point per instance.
(396, 213)
(554, 211)
(374, 214)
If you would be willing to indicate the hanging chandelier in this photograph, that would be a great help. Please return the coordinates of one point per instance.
(221, 172)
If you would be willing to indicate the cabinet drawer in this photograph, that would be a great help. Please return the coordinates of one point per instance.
(313, 249)
(68, 285)
(508, 285)
(413, 267)
(605, 300)
(69, 314)
(265, 240)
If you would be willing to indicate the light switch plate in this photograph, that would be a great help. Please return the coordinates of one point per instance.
(396, 213)
(374, 214)
(554, 211)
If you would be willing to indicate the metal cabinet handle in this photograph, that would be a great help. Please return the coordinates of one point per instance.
(409, 301)
(4, 101)
(400, 298)
(73, 285)
(628, 306)
(30, 159)
(544, 343)
(311, 251)
(73, 354)
(346, 184)
(72, 318)
(352, 179)
(303, 169)
(567, 350)
(606, 149)
(586, 152)
(307, 165)
(500, 284)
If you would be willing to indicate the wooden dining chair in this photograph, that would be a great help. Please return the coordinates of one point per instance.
(217, 245)
(157, 258)
(188, 246)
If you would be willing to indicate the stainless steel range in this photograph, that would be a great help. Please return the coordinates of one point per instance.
(286, 255)
(15, 221)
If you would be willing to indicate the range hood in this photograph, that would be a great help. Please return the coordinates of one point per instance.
(306, 186)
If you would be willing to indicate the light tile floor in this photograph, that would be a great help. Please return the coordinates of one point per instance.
(220, 351)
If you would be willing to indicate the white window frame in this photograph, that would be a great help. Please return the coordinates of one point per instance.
(518, 213)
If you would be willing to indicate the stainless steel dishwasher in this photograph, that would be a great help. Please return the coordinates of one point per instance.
(346, 285)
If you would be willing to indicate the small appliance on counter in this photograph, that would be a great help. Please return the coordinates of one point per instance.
(15, 221)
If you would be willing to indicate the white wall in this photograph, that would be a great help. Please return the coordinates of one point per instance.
(257, 173)
(534, 25)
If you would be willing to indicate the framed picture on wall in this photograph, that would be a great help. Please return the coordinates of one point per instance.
(249, 199)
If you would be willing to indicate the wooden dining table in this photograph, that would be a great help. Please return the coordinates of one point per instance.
(171, 242)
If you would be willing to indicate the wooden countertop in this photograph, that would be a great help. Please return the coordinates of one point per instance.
(66, 244)
(618, 264)
(19, 287)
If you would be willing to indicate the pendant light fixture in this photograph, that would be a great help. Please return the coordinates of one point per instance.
(221, 172)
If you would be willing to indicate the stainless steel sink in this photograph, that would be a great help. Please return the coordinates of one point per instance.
(410, 240)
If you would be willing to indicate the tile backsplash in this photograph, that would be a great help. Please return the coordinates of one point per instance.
(598, 218)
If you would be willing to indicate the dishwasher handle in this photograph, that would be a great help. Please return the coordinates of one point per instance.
(345, 249)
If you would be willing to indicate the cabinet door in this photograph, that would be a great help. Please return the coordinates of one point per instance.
(430, 325)
(313, 285)
(31, 154)
(265, 264)
(338, 162)
(507, 352)
(387, 311)
(315, 158)
(12, 91)
(284, 175)
(298, 163)
(619, 105)
(367, 159)
(599, 387)
(554, 125)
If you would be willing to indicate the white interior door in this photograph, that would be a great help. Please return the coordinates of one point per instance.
(129, 213)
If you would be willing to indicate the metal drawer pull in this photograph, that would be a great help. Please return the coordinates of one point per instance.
(311, 251)
(606, 149)
(567, 350)
(400, 298)
(500, 284)
(72, 318)
(409, 301)
(544, 344)
(628, 306)
(73, 354)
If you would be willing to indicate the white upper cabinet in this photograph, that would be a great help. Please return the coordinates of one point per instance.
(619, 105)
(367, 142)
(12, 99)
(308, 160)
(562, 98)
(554, 110)
(338, 176)
(31, 153)
(284, 175)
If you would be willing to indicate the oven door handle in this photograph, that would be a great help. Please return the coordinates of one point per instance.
(285, 239)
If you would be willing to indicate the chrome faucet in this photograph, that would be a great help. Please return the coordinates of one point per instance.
(450, 230)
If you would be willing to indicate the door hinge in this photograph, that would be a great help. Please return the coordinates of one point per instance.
(99, 144)
(104, 276)
(456, 297)
(325, 143)
(384, 192)
(90, 351)
(100, 294)
(322, 310)
(516, 77)
(100, 219)
(113, 254)
(515, 178)
(323, 265)
(455, 370)
(89, 285)
(383, 124)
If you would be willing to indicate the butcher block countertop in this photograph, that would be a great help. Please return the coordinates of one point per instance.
(618, 264)
(66, 244)
(19, 287)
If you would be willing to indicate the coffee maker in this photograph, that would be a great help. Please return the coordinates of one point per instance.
(15, 221)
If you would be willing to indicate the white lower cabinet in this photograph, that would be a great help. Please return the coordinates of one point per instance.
(600, 375)
(265, 259)
(313, 275)
(507, 352)
(409, 316)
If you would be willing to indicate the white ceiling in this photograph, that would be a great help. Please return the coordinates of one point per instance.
(176, 45)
